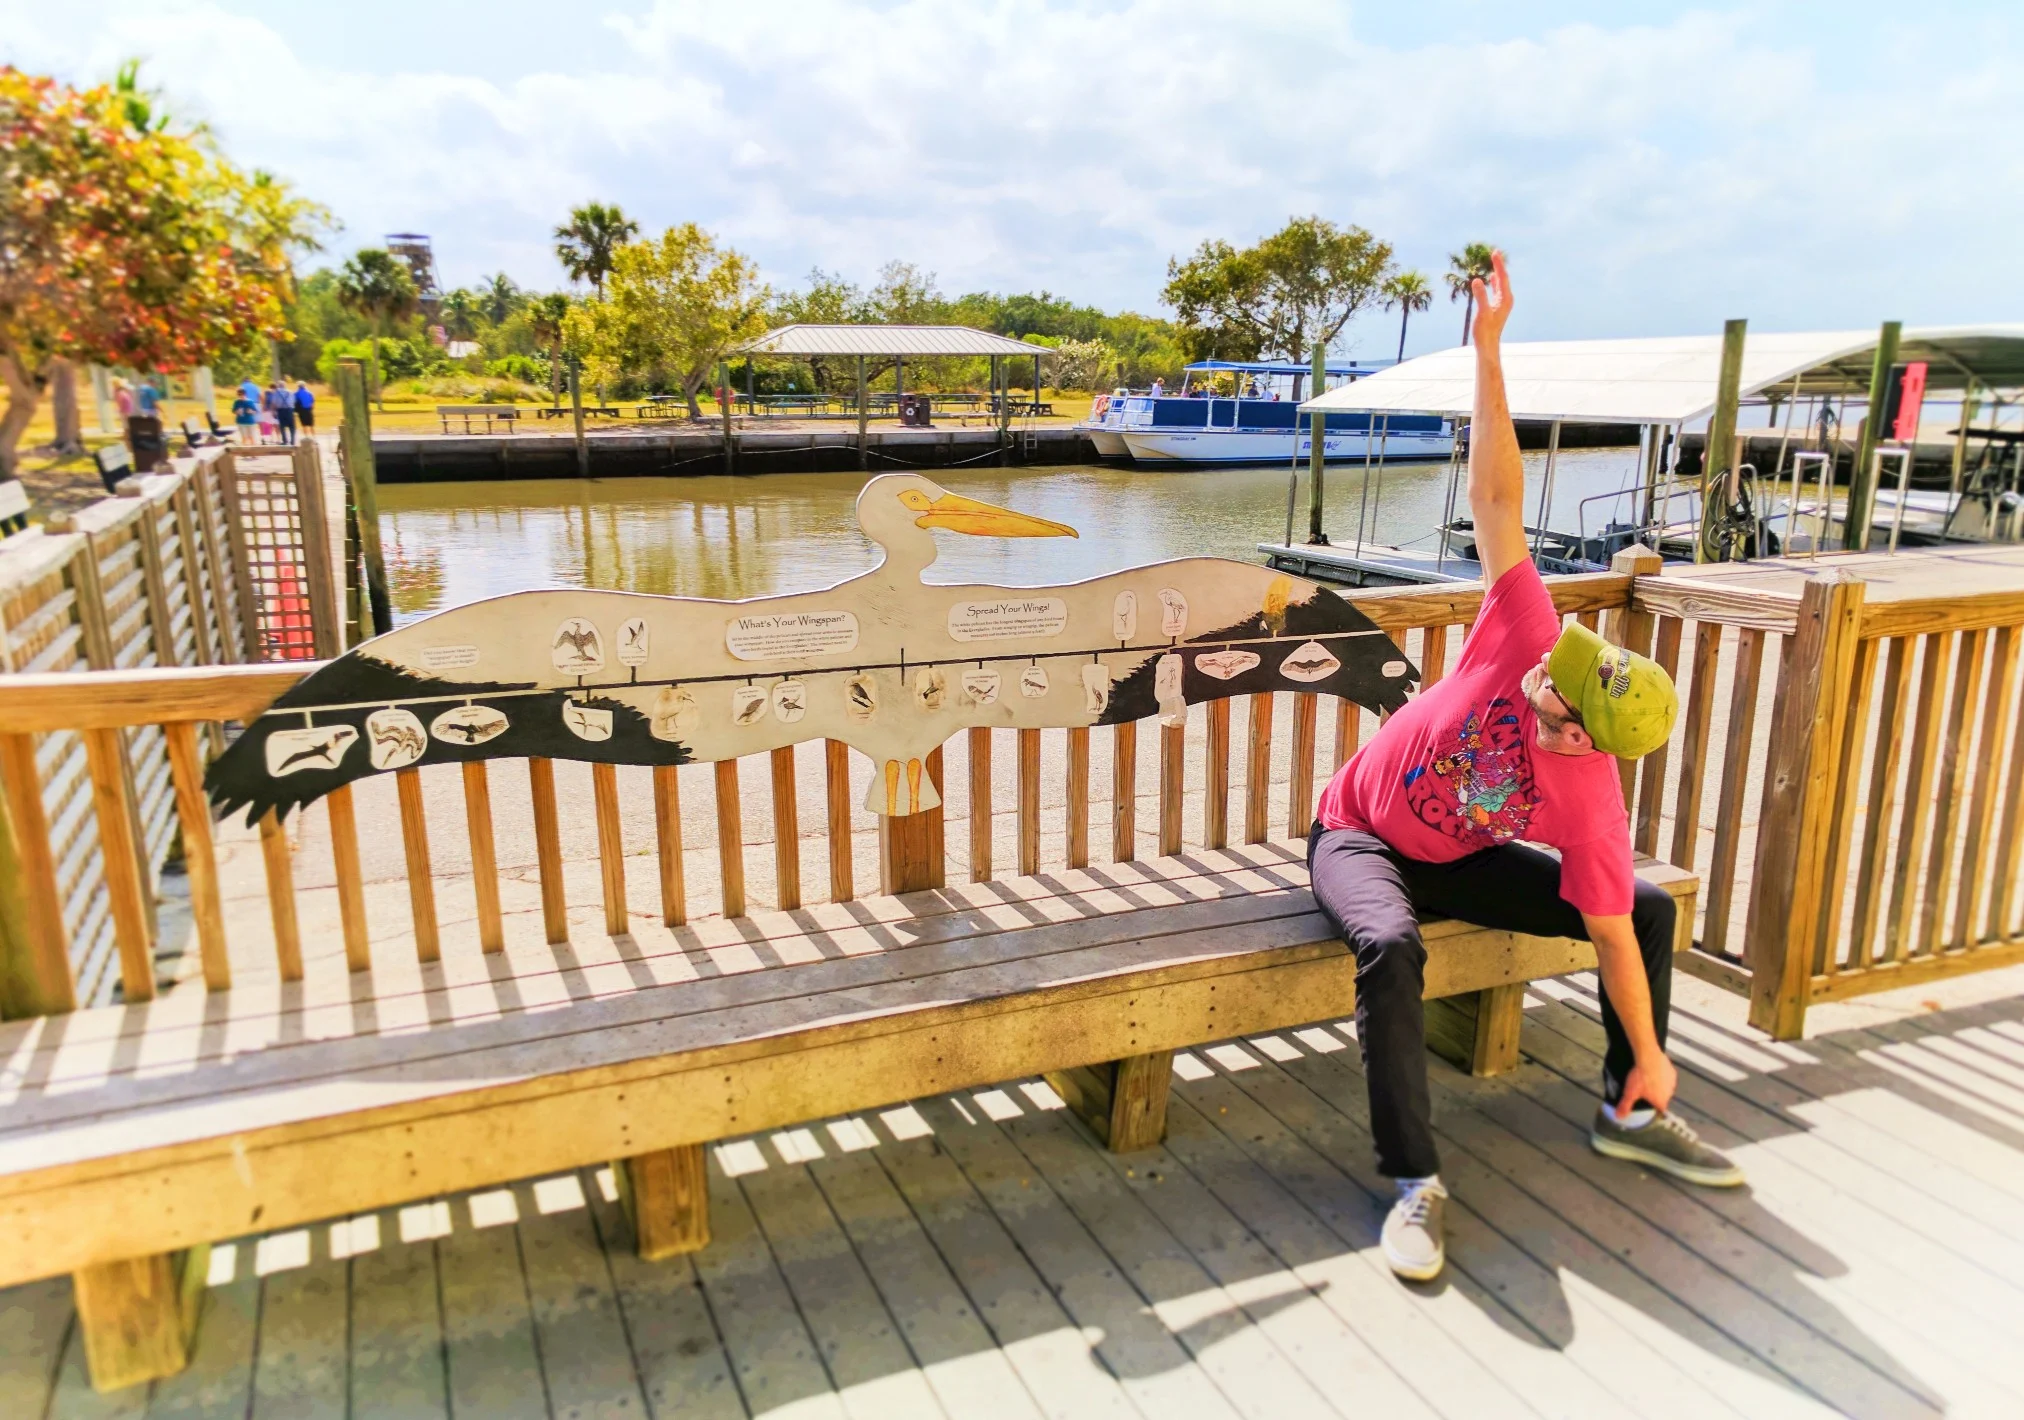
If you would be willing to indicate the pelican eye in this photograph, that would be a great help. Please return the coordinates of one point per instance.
(917, 500)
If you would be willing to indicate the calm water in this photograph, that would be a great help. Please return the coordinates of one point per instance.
(451, 543)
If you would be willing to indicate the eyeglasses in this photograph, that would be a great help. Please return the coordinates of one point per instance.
(1567, 710)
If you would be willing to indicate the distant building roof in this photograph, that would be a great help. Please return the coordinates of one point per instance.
(886, 340)
(1671, 379)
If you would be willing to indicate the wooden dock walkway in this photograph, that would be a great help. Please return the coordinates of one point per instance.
(978, 1255)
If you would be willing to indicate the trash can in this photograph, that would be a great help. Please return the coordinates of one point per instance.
(145, 438)
(915, 410)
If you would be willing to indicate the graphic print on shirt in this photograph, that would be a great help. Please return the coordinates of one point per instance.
(1479, 787)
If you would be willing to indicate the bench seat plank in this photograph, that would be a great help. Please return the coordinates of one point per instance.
(137, 1163)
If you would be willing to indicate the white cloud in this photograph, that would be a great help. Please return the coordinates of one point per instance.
(1652, 177)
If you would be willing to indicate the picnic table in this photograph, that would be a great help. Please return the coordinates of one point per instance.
(563, 411)
(770, 404)
(651, 406)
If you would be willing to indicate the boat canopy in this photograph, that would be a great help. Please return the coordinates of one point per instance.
(1281, 367)
(1672, 379)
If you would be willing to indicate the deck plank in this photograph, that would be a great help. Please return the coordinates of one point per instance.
(1155, 1371)
(34, 1327)
(586, 1353)
(490, 1347)
(302, 1365)
(397, 1329)
(682, 1365)
(218, 1385)
(860, 1344)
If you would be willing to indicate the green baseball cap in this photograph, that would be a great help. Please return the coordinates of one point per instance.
(1627, 701)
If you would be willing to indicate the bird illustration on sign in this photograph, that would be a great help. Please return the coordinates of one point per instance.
(886, 662)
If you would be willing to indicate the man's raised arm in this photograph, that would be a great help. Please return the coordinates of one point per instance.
(1496, 473)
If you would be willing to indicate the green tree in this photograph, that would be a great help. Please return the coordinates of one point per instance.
(1293, 290)
(377, 284)
(461, 312)
(122, 242)
(499, 297)
(546, 316)
(587, 243)
(1406, 292)
(1465, 268)
(678, 303)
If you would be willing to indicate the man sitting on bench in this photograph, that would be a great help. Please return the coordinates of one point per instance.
(1518, 743)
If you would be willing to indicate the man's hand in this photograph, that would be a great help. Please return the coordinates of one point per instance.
(1493, 303)
(1651, 1081)
(1496, 472)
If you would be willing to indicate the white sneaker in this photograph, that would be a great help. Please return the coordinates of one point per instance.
(1413, 1238)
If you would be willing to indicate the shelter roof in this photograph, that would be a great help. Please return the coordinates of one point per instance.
(886, 340)
(1668, 379)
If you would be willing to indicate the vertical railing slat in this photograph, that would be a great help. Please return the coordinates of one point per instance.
(1124, 791)
(1841, 829)
(668, 843)
(121, 860)
(484, 855)
(1258, 770)
(1918, 796)
(1735, 776)
(1077, 807)
(1173, 770)
(1029, 802)
(1977, 884)
(1651, 801)
(610, 848)
(200, 857)
(1300, 778)
(281, 896)
(1348, 730)
(1216, 792)
(786, 830)
(350, 878)
(980, 803)
(1955, 745)
(836, 795)
(1694, 744)
(730, 838)
(421, 871)
(1871, 883)
(548, 850)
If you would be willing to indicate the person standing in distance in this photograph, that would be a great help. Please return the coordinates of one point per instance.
(1435, 817)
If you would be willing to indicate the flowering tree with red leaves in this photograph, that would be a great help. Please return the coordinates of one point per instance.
(122, 243)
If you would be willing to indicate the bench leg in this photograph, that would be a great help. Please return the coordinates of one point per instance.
(1478, 1030)
(667, 1197)
(139, 1316)
(1124, 1101)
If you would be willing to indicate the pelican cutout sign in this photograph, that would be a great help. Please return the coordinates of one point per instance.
(885, 662)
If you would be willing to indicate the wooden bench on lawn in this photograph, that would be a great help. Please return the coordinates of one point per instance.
(505, 414)
(442, 1051)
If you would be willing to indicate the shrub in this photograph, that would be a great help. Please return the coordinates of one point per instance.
(521, 369)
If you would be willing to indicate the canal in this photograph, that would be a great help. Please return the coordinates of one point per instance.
(452, 543)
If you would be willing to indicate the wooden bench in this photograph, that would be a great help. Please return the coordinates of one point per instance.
(505, 414)
(13, 506)
(115, 462)
(137, 1135)
(551, 412)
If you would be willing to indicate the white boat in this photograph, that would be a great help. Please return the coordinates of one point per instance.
(1263, 423)
(1104, 427)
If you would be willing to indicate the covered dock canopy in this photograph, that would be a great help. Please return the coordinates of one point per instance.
(1673, 379)
(886, 342)
(1360, 369)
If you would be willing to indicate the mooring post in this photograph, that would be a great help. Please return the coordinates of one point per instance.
(1719, 454)
(724, 406)
(355, 454)
(1317, 422)
(863, 415)
(576, 409)
(1861, 478)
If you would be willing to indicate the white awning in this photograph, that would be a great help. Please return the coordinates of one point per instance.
(886, 341)
(1670, 379)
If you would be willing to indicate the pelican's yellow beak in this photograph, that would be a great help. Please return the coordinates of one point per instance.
(967, 515)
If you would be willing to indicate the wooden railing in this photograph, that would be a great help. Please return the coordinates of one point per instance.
(1793, 708)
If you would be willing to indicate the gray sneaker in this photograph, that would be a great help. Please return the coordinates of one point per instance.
(1412, 1236)
(1668, 1144)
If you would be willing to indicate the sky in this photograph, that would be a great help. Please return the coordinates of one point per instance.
(1650, 169)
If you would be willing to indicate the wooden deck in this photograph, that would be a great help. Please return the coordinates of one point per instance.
(976, 1254)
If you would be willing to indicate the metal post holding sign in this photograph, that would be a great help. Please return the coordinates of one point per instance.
(1862, 478)
(1318, 423)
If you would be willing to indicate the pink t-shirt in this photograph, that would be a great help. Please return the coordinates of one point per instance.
(1459, 769)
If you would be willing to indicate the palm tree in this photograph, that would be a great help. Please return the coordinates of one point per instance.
(585, 242)
(544, 319)
(1465, 267)
(377, 284)
(499, 297)
(461, 310)
(1406, 292)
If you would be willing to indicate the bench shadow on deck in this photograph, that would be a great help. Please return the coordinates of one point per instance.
(979, 1254)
